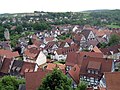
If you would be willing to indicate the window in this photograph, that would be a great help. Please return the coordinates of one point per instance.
(85, 77)
(96, 72)
(96, 80)
(68, 68)
(81, 78)
(60, 56)
(92, 71)
(88, 79)
(91, 79)
(88, 71)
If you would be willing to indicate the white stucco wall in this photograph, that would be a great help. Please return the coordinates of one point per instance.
(41, 59)
(60, 57)
(91, 36)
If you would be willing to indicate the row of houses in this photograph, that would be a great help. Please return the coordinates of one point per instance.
(90, 66)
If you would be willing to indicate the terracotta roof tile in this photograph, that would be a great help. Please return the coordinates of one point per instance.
(92, 42)
(8, 53)
(77, 57)
(37, 43)
(77, 37)
(31, 52)
(6, 65)
(75, 73)
(107, 50)
(68, 40)
(94, 65)
(112, 80)
(101, 33)
(27, 67)
(85, 32)
(51, 66)
(96, 49)
(62, 44)
(66, 50)
(49, 38)
(106, 65)
(34, 79)
(50, 45)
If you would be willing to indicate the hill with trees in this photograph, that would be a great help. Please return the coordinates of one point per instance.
(39, 21)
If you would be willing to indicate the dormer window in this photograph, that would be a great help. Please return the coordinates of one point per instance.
(93, 67)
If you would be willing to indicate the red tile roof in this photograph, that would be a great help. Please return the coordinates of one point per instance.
(77, 57)
(27, 67)
(93, 42)
(75, 73)
(94, 65)
(73, 58)
(37, 43)
(62, 44)
(31, 52)
(66, 50)
(106, 65)
(77, 37)
(96, 49)
(112, 80)
(85, 32)
(68, 40)
(50, 45)
(6, 65)
(101, 33)
(51, 66)
(8, 53)
(34, 79)
(49, 38)
(90, 60)
(114, 49)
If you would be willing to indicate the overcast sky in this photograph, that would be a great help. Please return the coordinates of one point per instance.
(19, 6)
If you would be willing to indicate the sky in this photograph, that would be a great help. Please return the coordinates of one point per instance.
(21, 6)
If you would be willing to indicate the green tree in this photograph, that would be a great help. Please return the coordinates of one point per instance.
(103, 45)
(10, 83)
(2, 33)
(56, 81)
(41, 26)
(82, 86)
(114, 39)
(19, 29)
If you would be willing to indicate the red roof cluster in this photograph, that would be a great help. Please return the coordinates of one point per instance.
(67, 50)
(8, 53)
(112, 80)
(31, 52)
(34, 79)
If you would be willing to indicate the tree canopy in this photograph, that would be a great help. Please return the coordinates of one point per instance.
(10, 83)
(41, 26)
(114, 39)
(56, 81)
(82, 86)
